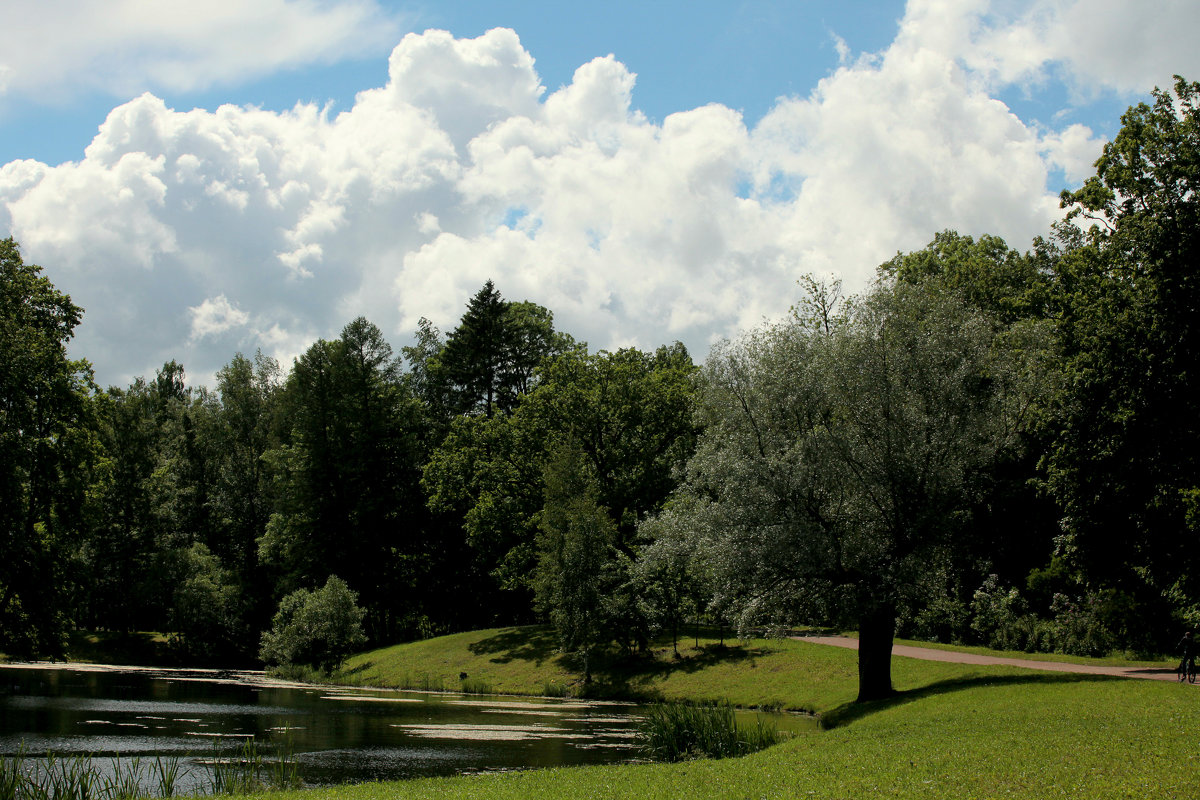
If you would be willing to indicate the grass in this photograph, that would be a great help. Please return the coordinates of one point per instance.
(683, 731)
(759, 673)
(1115, 660)
(952, 730)
(1032, 735)
(140, 648)
(79, 777)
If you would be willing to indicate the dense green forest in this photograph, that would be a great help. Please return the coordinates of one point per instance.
(987, 445)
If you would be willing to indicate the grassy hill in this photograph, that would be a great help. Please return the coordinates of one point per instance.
(952, 731)
(771, 673)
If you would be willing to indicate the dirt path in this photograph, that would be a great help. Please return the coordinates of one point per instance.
(930, 654)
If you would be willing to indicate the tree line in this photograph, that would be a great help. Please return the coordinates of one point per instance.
(987, 445)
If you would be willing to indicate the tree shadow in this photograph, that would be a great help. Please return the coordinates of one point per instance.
(614, 675)
(118, 647)
(853, 711)
(634, 676)
(357, 669)
(525, 644)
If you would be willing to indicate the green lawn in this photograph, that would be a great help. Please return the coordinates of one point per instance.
(1032, 735)
(760, 672)
(952, 731)
(1106, 661)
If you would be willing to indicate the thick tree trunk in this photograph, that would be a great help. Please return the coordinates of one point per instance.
(876, 629)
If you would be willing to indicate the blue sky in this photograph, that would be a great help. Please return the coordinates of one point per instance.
(675, 190)
(686, 54)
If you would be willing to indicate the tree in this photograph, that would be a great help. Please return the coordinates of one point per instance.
(1014, 519)
(1126, 460)
(1002, 282)
(836, 462)
(206, 618)
(628, 414)
(575, 551)
(249, 393)
(318, 628)
(47, 446)
(488, 361)
(345, 477)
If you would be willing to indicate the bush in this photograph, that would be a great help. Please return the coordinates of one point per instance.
(943, 619)
(318, 629)
(1079, 626)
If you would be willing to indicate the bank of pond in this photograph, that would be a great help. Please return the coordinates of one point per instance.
(202, 732)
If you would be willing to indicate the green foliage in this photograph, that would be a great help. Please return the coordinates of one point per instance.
(206, 615)
(1125, 457)
(684, 731)
(345, 478)
(986, 273)
(839, 461)
(315, 628)
(47, 448)
(488, 361)
(627, 413)
(575, 552)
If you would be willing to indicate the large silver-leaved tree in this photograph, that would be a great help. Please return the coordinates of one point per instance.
(840, 453)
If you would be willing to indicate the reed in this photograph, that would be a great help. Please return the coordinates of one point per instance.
(552, 689)
(682, 731)
(79, 777)
(476, 686)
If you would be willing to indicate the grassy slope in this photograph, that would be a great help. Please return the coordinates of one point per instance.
(783, 673)
(955, 731)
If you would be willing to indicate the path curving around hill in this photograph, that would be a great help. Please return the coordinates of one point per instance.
(959, 657)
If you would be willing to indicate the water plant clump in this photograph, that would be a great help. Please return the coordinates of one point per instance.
(80, 777)
(682, 731)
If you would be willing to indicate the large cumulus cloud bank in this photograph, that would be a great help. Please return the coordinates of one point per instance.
(195, 234)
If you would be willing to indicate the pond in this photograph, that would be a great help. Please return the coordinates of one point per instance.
(335, 735)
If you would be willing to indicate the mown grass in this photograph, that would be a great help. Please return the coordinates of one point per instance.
(1031, 735)
(1115, 660)
(769, 673)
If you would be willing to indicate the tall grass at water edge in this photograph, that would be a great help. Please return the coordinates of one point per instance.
(682, 731)
(79, 777)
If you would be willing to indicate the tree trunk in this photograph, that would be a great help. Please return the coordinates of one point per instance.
(876, 629)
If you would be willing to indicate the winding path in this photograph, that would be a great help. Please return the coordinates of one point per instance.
(958, 657)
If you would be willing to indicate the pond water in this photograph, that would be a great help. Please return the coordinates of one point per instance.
(335, 735)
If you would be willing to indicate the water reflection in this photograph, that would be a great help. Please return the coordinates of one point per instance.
(336, 735)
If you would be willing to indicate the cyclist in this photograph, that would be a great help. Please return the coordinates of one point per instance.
(1187, 649)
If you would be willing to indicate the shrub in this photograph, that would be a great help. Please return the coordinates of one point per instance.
(943, 619)
(318, 629)
(1079, 627)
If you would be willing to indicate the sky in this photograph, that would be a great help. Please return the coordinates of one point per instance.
(212, 178)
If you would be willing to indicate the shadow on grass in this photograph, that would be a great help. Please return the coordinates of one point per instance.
(634, 677)
(614, 675)
(850, 712)
(112, 647)
(535, 644)
(357, 669)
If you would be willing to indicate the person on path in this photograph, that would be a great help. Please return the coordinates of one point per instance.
(1187, 649)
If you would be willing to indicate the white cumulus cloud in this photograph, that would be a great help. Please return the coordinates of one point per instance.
(124, 47)
(188, 235)
(214, 316)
